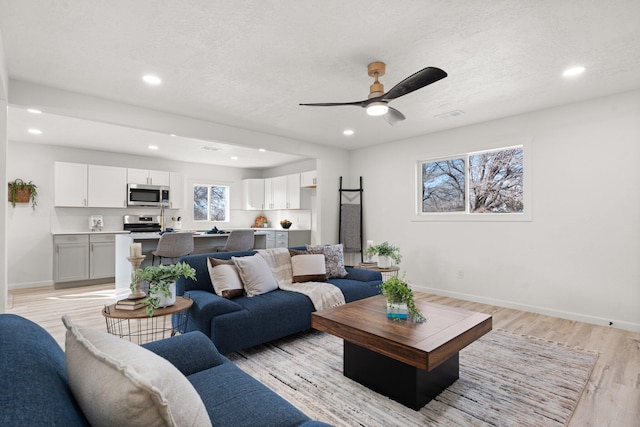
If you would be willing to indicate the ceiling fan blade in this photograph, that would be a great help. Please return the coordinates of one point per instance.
(333, 104)
(394, 116)
(414, 82)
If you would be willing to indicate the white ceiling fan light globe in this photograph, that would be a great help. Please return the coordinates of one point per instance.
(377, 109)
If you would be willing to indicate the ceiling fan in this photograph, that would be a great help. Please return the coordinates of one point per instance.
(377, 102)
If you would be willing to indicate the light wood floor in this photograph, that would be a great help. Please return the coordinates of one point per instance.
(611, 398)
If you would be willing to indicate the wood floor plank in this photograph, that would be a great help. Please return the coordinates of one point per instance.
(611, 397)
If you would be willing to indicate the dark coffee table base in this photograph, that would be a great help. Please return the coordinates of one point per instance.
(403, 383)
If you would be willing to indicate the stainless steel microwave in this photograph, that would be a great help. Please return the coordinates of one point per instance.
(147, 195)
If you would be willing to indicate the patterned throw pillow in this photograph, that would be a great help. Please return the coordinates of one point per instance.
(334, 259)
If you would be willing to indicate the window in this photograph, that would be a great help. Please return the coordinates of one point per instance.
(488, 182)
(210, 202)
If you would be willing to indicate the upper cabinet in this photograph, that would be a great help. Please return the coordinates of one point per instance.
(293, 191)
(282, 192)
(176, 190)
(309, 179)
(253, 190)
(79, 185)
(70, 184)
(150, 177)
(107, 187)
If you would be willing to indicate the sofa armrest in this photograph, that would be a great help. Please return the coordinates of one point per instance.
(209, 305)
(363, 275)
(190, 353)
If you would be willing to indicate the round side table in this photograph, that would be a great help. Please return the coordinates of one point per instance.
(387, 273)
(139, 328)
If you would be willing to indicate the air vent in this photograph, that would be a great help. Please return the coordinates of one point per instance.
(454, 113)
(207, 148)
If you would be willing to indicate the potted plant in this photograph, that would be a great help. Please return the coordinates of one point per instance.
(400, 301)
(23, 192)
(386, 252)
(162, 283)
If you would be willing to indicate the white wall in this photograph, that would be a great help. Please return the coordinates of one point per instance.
(4, 84)
(579, 257)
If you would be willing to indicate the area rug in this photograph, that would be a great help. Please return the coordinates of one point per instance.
(505, 380)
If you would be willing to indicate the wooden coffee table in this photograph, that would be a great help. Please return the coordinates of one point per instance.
(409, 362)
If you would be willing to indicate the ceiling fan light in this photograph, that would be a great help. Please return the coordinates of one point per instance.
(377, 109)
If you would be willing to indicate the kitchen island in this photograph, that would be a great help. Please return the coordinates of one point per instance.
(203, 243)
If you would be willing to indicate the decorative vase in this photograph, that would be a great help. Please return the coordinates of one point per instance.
(397, 310)
(164, 300)
(384, 261)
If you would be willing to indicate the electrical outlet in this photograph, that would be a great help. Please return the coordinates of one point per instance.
(460, 274)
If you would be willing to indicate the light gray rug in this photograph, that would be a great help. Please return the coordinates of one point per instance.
(505, 380)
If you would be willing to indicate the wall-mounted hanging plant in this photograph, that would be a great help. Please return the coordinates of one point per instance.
(23, 192)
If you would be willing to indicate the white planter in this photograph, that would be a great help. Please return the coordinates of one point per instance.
(384, 261)
(397, 310)
(168, 301)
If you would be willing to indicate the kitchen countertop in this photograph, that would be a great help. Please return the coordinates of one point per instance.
(59, 233)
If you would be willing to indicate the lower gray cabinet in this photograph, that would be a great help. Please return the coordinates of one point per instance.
(70, 258)
(83, 257)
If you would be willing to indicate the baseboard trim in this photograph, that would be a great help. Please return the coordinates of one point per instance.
(27, 285)
(580, 317)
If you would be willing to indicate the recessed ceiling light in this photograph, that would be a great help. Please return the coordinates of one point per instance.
(152, 80)
(34, 131)
(34, 111)
(234, 157)
(153, 147)
(262, 150)
(573, 71)
(347, 132)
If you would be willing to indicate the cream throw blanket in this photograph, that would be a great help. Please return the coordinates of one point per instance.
(322, 295)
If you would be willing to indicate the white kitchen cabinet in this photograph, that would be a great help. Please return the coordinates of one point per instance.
(148, 177)
(70, 258)
(70, 185)
(254, 199)
(102, 256)
(107, 187)
(176, 190)
(309, 179)
(83, 257)
(282, 192)
(293, 191)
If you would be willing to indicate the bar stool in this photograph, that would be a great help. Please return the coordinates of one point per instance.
(239, 240)
(173, 245)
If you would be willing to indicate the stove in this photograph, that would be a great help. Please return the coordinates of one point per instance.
(142, 223)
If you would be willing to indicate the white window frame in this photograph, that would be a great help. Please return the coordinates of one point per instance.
(227, 201)
(526, 215)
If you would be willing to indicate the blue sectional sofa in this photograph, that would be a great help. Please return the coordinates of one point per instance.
(243, 322)
(34, 389)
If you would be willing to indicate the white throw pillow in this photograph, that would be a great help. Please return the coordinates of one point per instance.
(256, 275)
(225, 278)
(309, 268)
(119, 383)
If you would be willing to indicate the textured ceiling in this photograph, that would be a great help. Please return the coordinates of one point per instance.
(249, 63)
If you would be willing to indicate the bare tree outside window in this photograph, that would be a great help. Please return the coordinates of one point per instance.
(443, 188)
(491, 182)
(495, 182)
(210, 202)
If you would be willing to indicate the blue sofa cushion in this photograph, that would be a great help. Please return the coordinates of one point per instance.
(248, 403)
(33, 376)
